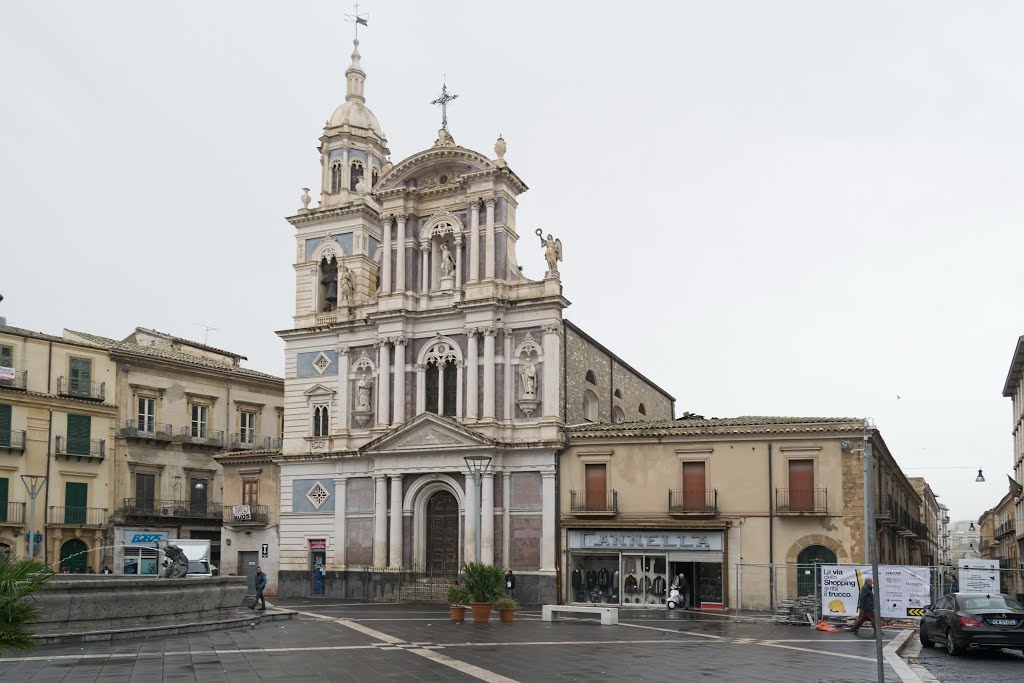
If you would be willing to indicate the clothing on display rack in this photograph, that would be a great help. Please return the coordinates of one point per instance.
(615, 580)
(630, 566)
(577, 578)
(591, 579)
(602, 578)
(630, 584)
(658, 587)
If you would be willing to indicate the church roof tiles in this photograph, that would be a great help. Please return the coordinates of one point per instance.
(688, 426)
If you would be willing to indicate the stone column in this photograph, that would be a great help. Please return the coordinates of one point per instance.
(385, 261)
(341, 522)
(395, 543)
(472, 374)
(380, 521)
(435, 271)
(487, 518)
(474, 240)
(346, 173)
(506, 521)
(508, 395)
(458, 260)
(398, 415)
(551, 362)
(548, 530)
(421, 389)
(469, 523)
(383, 382)
(424, 275)
(340, 422)
(400, 274)
(459, 365)
(488, 333)
(489, 241)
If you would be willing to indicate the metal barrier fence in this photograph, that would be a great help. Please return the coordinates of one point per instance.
(393, 585)
(791, 592)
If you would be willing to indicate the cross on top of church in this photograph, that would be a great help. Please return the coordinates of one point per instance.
(357, 19)
(443, 100)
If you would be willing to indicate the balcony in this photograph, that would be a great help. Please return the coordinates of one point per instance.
(246, 514)
(277, 443)
(1007, 528)
(147, 430)
(249, 442)
(594, 504)
(84, 389)
(196, 436)
(82, 448)
(13, 440)
(18, 381)
(801, 502)
(13, 514)
(682, 503)
(150, 508)
(60, 515)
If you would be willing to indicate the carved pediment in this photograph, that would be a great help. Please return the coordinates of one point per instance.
(428, 432)
(319, 389)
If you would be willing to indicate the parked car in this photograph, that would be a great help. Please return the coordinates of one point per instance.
(968, 621)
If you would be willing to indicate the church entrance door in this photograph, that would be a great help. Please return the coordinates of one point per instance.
(443, 534)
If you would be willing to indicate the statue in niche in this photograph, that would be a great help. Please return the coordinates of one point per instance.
(447, 262)
(363, 390)
(552, 250)
(528, 374)
(329, 280)
(345, 290)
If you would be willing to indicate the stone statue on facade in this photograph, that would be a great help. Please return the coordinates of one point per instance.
(528, 374)
(177, 563)
(364, 387)
(447, 262)
(552, 250)
(345, 288)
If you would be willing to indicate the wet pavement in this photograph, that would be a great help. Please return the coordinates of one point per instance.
(981, 666)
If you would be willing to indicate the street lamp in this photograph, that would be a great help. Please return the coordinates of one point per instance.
(177, 489)
(477, 465)
(34, 483)
(980, 478)
(870, 528)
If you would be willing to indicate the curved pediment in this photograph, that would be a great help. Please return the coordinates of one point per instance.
(434, 167)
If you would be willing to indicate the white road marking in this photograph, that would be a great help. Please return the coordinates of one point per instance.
(464, 667)
(893, 659)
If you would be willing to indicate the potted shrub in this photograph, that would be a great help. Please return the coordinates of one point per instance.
(483, 583)
(458, 598)
(506, 608)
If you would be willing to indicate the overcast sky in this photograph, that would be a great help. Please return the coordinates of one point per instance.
(784, 208)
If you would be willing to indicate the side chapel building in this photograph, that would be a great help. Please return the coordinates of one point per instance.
(416, 342)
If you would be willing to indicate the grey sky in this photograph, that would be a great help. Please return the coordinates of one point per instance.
(798, 208)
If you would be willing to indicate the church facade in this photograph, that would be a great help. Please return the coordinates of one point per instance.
(418, 342)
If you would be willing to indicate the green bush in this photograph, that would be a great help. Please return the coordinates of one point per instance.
(458, 597)
(482, 581)
(505, 602)
(19, 579)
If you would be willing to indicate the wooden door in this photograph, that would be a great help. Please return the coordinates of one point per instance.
(76, 498)
(694, 486)
(145, 493)
(79, 434)
(443, 534)
(79, 375)
(597, 487)
(5, 425)
(4, 483)
(801, 485)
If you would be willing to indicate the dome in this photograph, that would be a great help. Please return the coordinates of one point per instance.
(355, 114)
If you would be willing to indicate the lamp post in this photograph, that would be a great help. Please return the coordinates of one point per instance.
(477, 465)
(872, 546)
(34, 483)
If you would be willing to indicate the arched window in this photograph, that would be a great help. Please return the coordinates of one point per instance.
(589, 406)
(618, 393)
(641, 409)
(618, 415)
(336, 172)
(374, 177)
(328, 284)
(436, 371)
(591, 379)
(321, 420)
(356, 174)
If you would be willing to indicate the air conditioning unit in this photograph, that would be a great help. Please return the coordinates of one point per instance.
(167, 512)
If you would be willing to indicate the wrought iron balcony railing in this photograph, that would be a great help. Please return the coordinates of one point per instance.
(19, 381)
(197, 436)
(83, 448)
(801, 501)
(80, 388)
(1006, 528)
(605, 502)
(683, 502)
(245, 441)
(76, 516)
(147, 429)
(158, 507)
(12, 513)
(13, 440)
(246, 514)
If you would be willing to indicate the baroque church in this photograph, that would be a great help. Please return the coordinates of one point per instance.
(418, 343)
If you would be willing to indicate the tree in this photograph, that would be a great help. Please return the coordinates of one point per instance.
(19, 579)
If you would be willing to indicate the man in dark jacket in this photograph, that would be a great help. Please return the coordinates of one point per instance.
(261, 583)
(866, 605)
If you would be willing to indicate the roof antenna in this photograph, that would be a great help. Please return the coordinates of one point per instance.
(207, 329)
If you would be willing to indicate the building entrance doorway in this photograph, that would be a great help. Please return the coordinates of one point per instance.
(443, 534)
(247, 563)
(807, 571)
(73, 555)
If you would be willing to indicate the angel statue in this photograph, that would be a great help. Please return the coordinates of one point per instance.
(552, 250)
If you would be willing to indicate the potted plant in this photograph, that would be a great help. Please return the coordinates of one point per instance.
(483, 583)
(457, 600)
(506, 608)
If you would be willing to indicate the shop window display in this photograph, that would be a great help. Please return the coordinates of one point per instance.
(595, 579)
(645, 580)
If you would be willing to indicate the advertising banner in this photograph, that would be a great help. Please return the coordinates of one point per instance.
(979, 576)
(6, 374)
(902, 591)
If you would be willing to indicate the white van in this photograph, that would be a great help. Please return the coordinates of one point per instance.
(196, 550)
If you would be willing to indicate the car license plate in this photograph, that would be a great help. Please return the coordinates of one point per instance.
(1003, 622)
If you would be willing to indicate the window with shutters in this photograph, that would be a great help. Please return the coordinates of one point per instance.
(247, 428)
(76, 499)
(801, 485)
(146, 415)
(5, 425)
(79, 376)
(250, 492)
(145, 492)
(79, 434)
(200, 421)
(6, 356)
(198, 491)
(4, 484)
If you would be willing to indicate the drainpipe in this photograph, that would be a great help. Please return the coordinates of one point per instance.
(49, 456)
(771, 532)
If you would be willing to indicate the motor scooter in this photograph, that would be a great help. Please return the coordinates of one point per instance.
(675, 599)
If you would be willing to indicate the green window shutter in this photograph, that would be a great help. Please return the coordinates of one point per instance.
(76, 497)
(79, 434)
(3, 499)
(5, 425)
(80, 374)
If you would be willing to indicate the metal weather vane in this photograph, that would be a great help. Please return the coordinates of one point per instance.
(443, 100)
(357, 19)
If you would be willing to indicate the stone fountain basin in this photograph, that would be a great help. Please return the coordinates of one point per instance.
(90, 602)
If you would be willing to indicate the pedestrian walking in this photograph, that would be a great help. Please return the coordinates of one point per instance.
(866, 605)
(683, 586)
(261, 583)
(510, 583)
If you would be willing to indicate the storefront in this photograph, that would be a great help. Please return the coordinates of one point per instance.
(139, 554)
(636, 568)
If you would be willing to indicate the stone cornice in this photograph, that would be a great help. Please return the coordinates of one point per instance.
(324, 215)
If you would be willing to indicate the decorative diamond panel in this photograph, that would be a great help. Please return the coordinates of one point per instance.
(318, 495)
(321, 363)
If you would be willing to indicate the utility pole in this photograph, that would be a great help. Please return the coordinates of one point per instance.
(872, 546)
